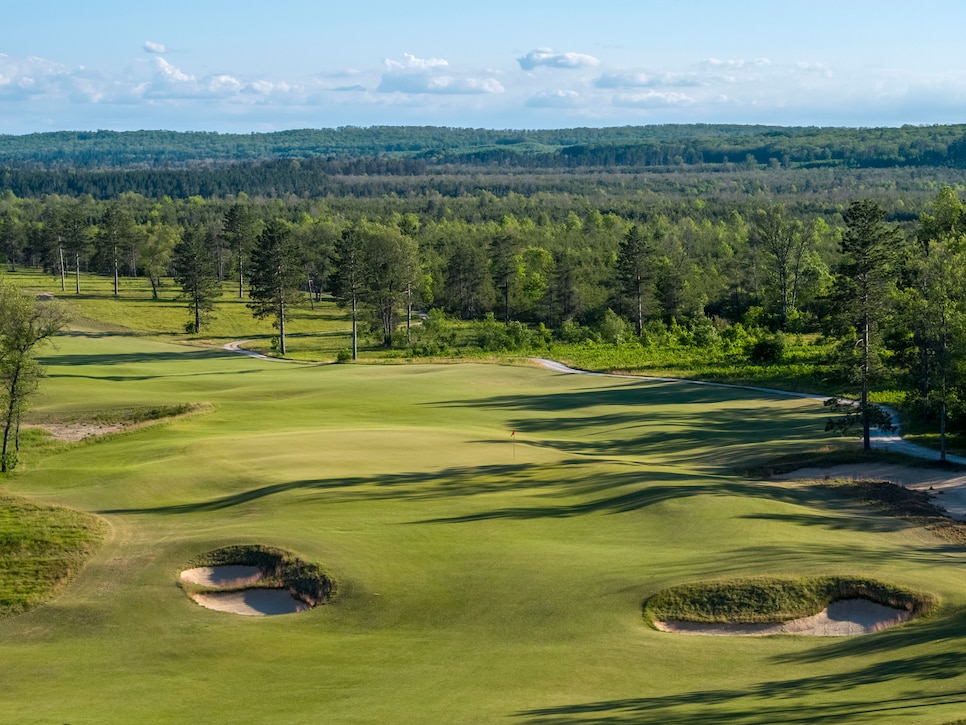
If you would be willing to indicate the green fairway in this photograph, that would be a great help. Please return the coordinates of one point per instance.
(480, 577)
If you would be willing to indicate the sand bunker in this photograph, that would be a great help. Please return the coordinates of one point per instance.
(839, 619)
(947, 487)
(234, 575)
(252, 602)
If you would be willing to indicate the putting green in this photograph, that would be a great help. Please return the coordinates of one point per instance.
(482, 578)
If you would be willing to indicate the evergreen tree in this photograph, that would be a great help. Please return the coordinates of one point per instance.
(860, 297)
(275, 276)
(635, 271)
(194, 270)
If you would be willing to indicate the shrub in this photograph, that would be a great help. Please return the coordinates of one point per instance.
(768, 350)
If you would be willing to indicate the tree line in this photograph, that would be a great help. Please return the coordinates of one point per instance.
(889, 291)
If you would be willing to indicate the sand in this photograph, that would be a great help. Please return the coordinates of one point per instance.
(948, 488)
(223, 576)
(839, 619)
(252, 602)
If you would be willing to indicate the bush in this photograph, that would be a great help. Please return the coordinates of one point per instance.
(344, 355)
(768, 350)
(613, 328)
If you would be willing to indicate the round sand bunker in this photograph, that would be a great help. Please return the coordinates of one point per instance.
(255, 580)
(839, 619)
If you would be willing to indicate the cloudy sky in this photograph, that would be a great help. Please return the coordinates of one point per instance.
(243, 66)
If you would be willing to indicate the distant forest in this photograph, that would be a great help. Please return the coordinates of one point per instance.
(673, 162)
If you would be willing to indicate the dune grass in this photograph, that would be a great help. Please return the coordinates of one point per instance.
(41, 549)
(482, 577)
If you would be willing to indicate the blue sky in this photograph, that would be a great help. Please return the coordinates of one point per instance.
(244, 66)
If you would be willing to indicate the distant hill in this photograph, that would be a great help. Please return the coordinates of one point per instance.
(430, 146)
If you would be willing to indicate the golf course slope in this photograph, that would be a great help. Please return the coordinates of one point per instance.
(492, 530)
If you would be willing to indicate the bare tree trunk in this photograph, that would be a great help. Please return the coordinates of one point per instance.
(77, 274)
(355, 331)
(63, 273)
(281, 327)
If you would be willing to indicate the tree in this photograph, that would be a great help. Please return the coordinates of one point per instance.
(115, 238)
(157, 248)
(275, 276)
(635, 271)
(469, 290)
(194, 270)
(937, 303)
(24, 324)
(391, 262)
(240, 229)
(785, 242)
(860, 296)
(506, 265)
(348, 281)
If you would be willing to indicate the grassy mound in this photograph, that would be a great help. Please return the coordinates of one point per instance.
(758, 601)
(281, 570)
(41, 548)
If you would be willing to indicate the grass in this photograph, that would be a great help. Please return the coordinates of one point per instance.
(482, 578)
(41, 549)
(769, 601)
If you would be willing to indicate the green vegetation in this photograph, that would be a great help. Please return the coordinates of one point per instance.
(41, 549)
(756, 601)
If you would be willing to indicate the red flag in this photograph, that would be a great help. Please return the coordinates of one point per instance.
(513, 433)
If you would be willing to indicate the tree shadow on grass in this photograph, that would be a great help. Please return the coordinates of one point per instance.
(603, 492)
(780, 700)
(129, 358)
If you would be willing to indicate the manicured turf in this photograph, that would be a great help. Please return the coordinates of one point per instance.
(480, 578)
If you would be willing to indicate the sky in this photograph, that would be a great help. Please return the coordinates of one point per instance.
(241, 66)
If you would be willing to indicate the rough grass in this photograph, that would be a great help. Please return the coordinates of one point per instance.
(41, 549)
(280, 568)
(768, 601)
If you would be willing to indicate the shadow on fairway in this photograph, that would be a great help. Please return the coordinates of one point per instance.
(595, 491)
(667, 427)
(129, 358)
(941, 627)
(774, 701)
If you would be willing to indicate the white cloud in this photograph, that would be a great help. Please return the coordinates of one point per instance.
(421, 76)
(555, 99)
(411, 62)
(152, 47)
(652, 99)
(646, 80)
(552, 59)
(735, 64)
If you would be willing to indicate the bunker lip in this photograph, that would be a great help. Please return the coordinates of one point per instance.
(841, 618)
(228, 575)
(251, 602)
